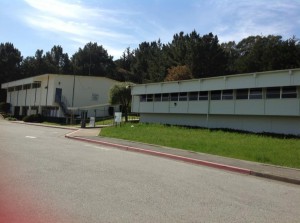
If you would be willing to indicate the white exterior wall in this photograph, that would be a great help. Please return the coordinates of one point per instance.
(257, 124)
(279, 115)
(86, 89)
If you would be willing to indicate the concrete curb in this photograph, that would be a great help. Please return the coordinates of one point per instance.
(43, 125)
(188, 160)
(165, 155)
(274, 177)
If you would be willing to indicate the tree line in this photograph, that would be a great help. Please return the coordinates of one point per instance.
(186, 56)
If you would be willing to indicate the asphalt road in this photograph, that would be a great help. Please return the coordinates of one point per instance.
(45, 177)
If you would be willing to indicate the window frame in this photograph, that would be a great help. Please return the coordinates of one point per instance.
(183, 96)
(241, 93)
(173, 97)
(157, 99)
(216, 95)
(273, 93)
(254, 95)
(226, 96)
(194, 97)
(289, 94)
(203, 95)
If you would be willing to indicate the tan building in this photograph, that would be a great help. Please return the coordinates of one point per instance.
(56, 95)
(257, 102)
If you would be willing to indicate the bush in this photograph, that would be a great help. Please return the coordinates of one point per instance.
(9, 118)
(33, 118)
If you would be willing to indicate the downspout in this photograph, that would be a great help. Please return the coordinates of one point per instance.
(47, 91)
(25, 96)
(73, 91)
(208, 109)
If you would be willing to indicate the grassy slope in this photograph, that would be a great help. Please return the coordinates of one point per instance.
(283, 152)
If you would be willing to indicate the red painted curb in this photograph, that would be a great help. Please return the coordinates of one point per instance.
(166, 155)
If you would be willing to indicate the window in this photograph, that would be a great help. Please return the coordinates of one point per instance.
(36, 85)
(174, 97)
(215, 95)
(143, 98)
(95, 97)
(149, 97)
(183, 96)
(255, 93)
(157, 97)
(193, 96)
(289, 92)
(26, 86)
(242, 94)
(165, 97)
(18, 88)
(227, 95)
(10, 89)
(273, 92)
(203, 95)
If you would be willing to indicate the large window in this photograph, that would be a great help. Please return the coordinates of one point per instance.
(165, 97)
(18, 88)
(36, 85)
(242, 94)
(255, 93)
(157, 97)
(227, 95)
(193, 96)
(273, 92)
(95, 97)
(203, 95)
(26, 86)
(143, 98)
(174, 97)
(149, 97)
(289, 92)
(10, 89)
(183, 96)
(215, 95)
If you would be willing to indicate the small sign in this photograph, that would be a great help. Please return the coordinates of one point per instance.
(92, 121)
(118, 117)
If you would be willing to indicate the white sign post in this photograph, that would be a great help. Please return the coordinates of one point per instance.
(92, 121)
(118, 118)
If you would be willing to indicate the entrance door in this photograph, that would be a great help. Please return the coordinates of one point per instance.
(58, 93)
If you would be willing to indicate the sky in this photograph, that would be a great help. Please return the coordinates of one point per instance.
(118, 24)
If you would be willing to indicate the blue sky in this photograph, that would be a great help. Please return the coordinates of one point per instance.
(118, 24)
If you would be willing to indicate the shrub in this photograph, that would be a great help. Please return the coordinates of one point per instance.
(9, 118)
(33, 118)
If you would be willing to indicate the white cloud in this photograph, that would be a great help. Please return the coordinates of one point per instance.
(240, 19)
(79, 23)
(117, 25)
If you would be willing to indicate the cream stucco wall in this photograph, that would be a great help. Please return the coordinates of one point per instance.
(88, 91)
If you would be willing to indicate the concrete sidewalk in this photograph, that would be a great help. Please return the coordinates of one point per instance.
(289, 175)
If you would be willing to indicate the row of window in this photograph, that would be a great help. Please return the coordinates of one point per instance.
(252, 93)
(24, 87)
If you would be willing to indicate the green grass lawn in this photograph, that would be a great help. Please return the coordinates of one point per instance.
(264, 149)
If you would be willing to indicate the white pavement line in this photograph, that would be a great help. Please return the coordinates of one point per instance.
(71, 133)
(97, 147)
(30, 137)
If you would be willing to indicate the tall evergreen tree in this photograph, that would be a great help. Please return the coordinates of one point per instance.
(93, 60)
(10, 62)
